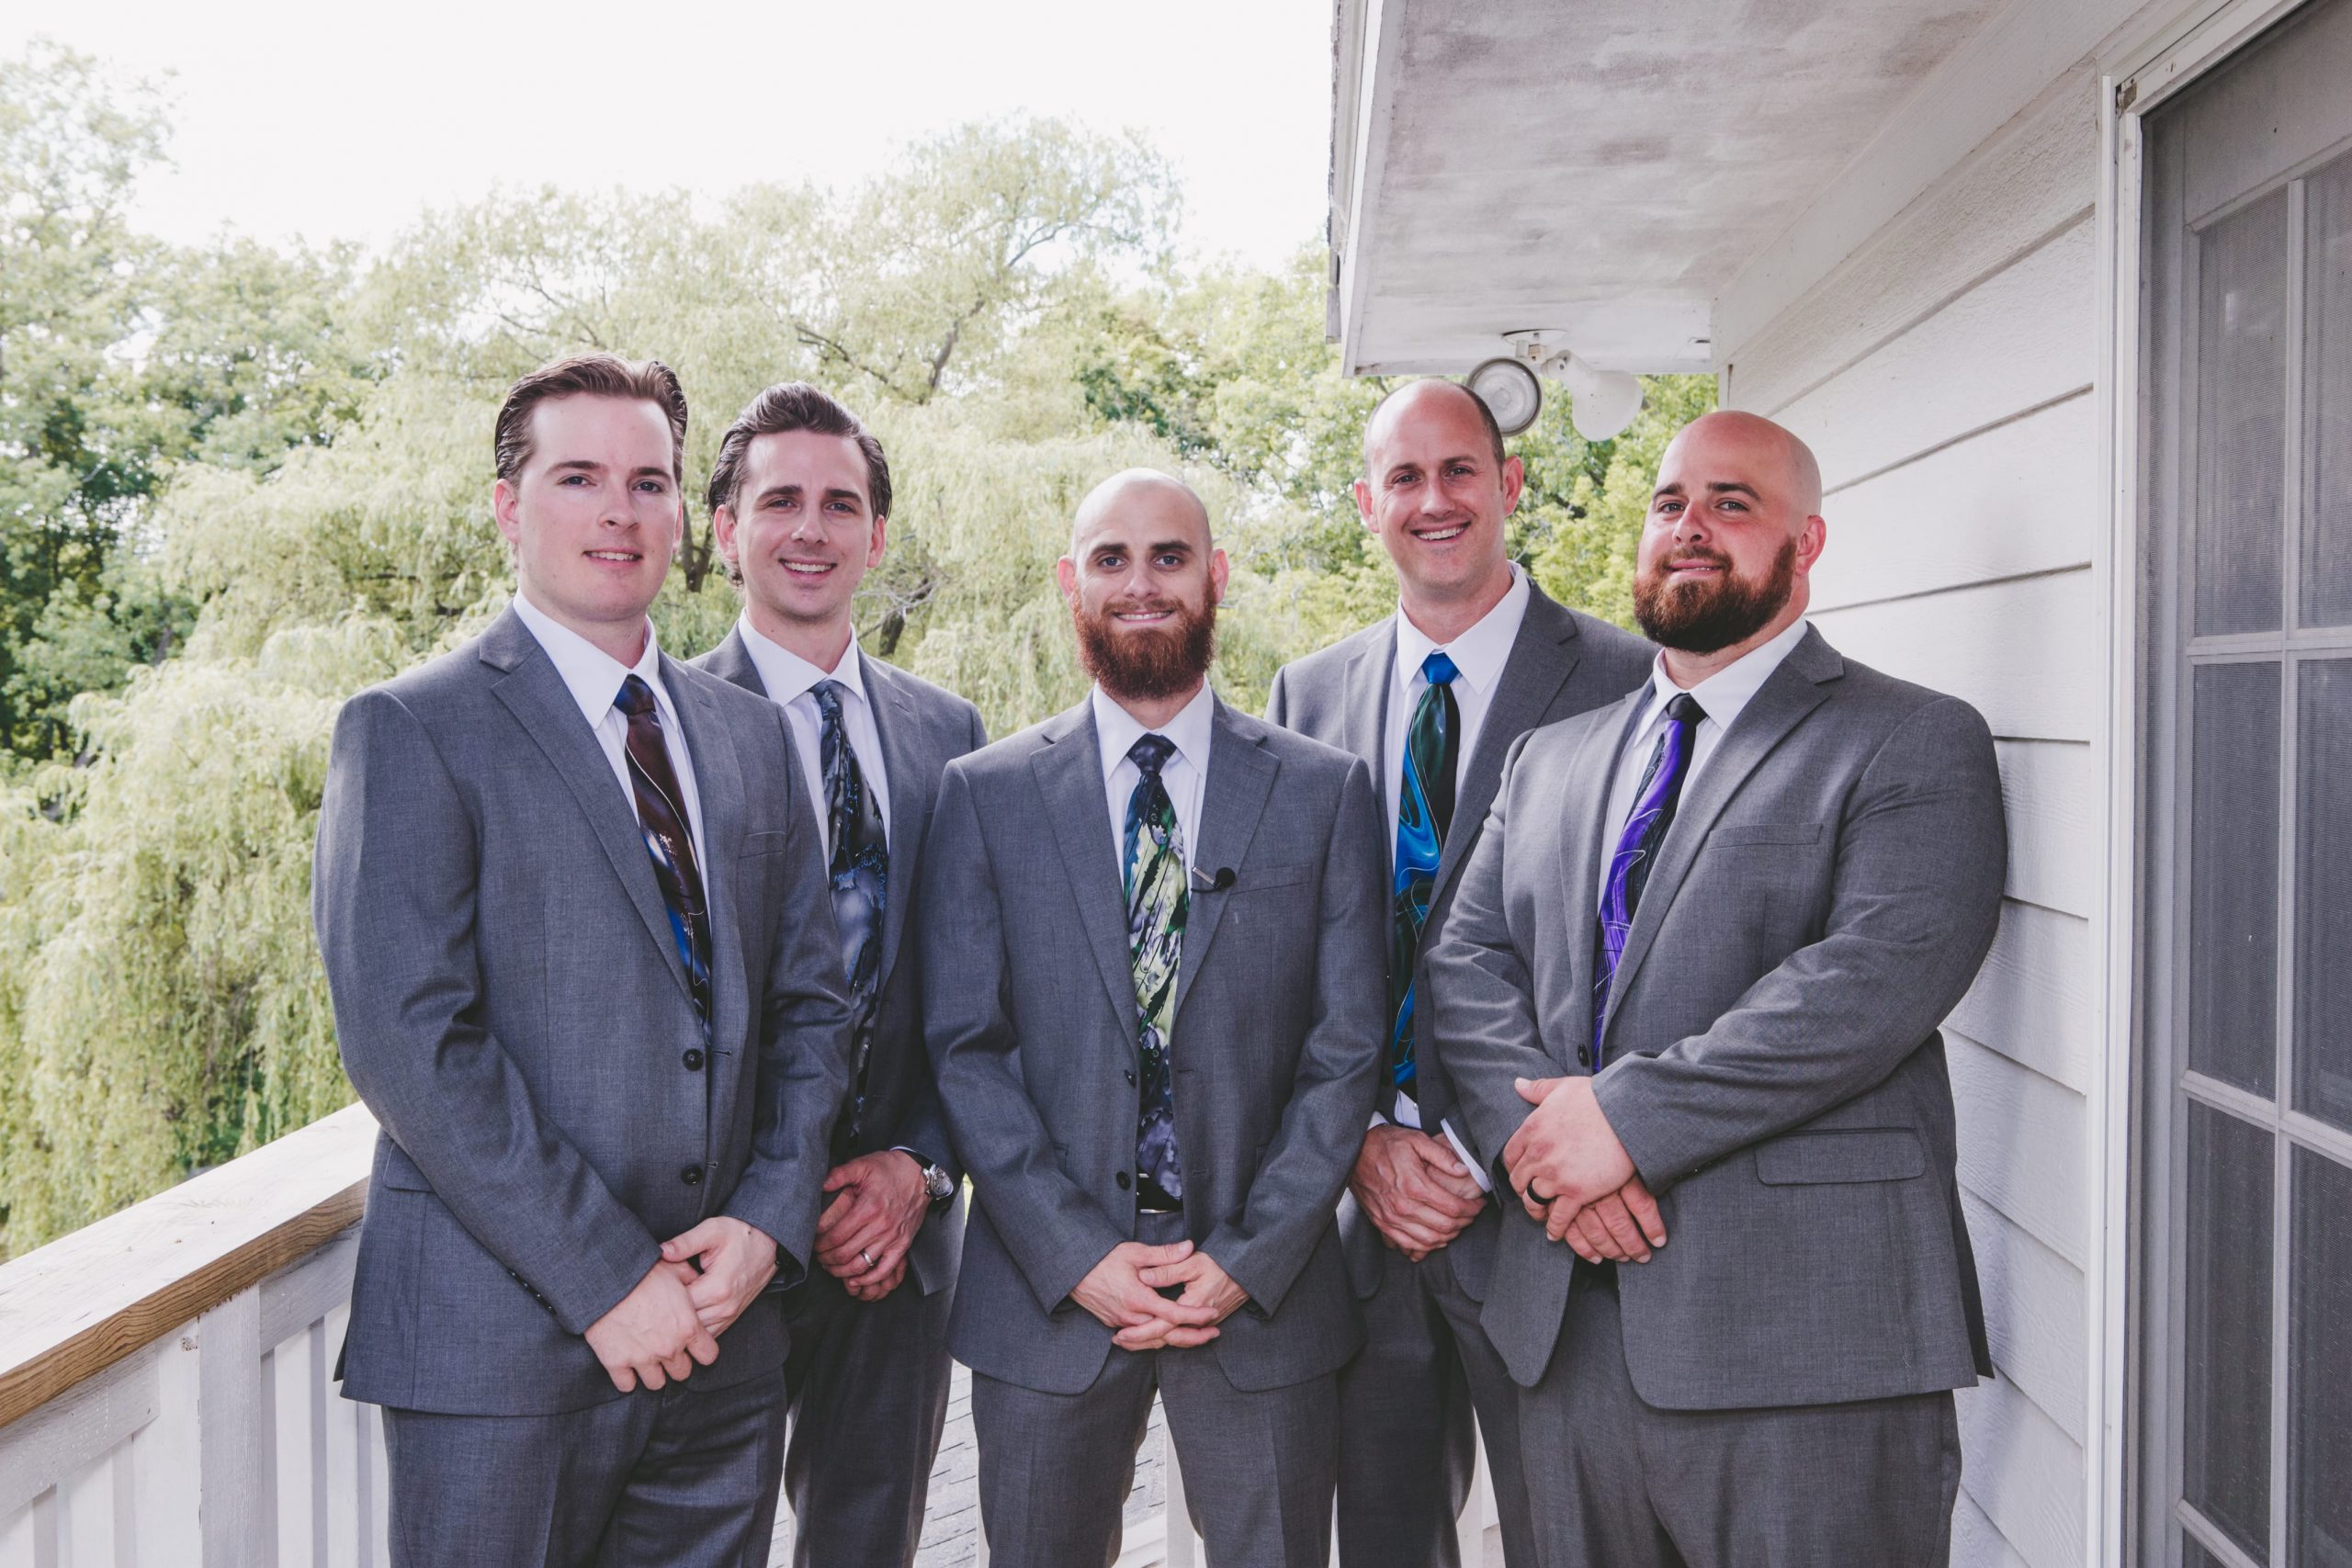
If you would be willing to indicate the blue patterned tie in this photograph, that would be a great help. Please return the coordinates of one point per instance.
(1158, 901)
(860, 873)
(1638, 845)
(1424, 813)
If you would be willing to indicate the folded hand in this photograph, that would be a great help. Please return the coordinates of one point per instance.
(737, 1261)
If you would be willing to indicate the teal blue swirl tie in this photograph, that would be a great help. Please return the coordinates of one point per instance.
(1424, 812)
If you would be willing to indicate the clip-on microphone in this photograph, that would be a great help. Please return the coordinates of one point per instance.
(1203, 883)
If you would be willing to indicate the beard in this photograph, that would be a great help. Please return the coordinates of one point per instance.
(1706, 618)
(1145, 666)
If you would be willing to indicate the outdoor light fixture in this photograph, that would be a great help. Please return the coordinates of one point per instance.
(1510, 392)
(1600, 402)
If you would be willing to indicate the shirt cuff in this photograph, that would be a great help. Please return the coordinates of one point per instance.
(1461, 1153)
(1406, 1113)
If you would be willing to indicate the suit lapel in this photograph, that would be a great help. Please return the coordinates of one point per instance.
(1240, 777)
(535, 694)
(1068, 770)
(1364, 700)
(912, 773)
(1586, 789)
(731, 660)
(1543, 656)
(1788, 694)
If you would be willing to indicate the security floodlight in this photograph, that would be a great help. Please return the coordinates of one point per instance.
(1510, 392)
(1600, 402)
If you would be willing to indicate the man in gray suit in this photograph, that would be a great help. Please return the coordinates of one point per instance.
(1690, 989)
(584, 973)
(1144, 927)
(1433, 697)
(800, 501)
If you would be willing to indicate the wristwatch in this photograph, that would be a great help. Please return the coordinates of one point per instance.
(936, 1181)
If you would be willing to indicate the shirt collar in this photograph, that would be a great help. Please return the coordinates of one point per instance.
(1119, 730)
(1480, 653)
(787, 676)
(593, 676)
(1729, 690)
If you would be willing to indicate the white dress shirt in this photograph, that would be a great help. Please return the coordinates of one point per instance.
(1722, 695)
(791, 681)
(1478, 655)
(1185, 774)
(593, 677)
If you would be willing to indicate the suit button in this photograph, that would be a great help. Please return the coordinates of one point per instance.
(1122, 1180)
(1583, 1056)
(1131, 1074)
(693, 1059)
(690, 1175)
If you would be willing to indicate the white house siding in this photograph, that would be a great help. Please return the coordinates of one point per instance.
(1943, 372)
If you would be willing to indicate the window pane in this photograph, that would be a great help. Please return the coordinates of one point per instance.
(2327, 510)
(2319, 1451)
(2241, 418)
(2195, 1556)
(2233, 875)
(2324, 891)
(2225, 1342)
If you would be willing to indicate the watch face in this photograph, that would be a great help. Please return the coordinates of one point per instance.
(935, 1182)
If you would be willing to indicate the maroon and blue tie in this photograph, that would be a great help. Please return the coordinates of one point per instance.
(662, 820)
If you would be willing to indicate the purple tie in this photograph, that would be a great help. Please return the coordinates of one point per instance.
(1637, 849)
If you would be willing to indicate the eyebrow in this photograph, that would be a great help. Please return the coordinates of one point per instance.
(1714, 487)
(1396, 468)
(1114, 547)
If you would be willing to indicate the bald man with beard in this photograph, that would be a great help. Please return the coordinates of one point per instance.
(1145, 925)
(1690, 994)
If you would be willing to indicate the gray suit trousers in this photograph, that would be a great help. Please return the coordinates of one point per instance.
(1629, 1485)
(1406, 1438)
(869, 1398)
(684, 1478)
(1055, 1468)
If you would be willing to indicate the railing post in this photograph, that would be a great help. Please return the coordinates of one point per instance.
(233, 1529)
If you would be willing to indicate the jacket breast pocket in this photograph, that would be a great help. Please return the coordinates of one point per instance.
(1728, 834)
(1862, 1154)
(764, 844)
(1259, 879)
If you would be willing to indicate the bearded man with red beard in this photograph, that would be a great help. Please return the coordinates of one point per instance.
(1143, 927)
(1781, 870)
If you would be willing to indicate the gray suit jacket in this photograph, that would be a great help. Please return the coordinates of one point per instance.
(510, 1004)
(1561, 664)
(1770, 1056)
(922, 728)
(1030, 1005)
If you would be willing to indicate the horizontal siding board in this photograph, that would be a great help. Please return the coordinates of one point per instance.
(1976, 1540)
(2021, 1145)
(2026, 1473)
(2026, 182)
(2025, 336)
(2031, 1001)
(2034, 1314)
(2026, 653)
(2050, 790)
(2015, 500)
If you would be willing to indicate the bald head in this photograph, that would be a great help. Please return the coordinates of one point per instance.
(1144, 491)
(1419, 401)
(1761, 445)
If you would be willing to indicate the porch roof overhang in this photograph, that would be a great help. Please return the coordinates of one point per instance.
(1602, 167)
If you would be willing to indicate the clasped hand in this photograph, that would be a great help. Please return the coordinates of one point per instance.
(864, 1233)
(1414, 1190)
(1123, 1292)
(1575, 1179)
(670, 1321)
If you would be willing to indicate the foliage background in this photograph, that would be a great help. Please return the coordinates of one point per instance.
(238, 483)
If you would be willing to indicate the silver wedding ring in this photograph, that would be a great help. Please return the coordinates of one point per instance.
(867, 1255)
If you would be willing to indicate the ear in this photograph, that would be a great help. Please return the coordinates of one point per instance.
(722, 530)
(1514, 483)
(1364, 503)
(878, 544)
(1066, 574)
(502, 507)
(1219, 571)
(1811, 540)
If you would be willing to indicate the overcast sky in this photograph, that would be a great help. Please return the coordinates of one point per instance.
(346, 121)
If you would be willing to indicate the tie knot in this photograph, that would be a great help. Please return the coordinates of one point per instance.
(1438, 669)
(1685, 709)
(1151, 754)
(828, 698)
(636, 698)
